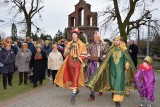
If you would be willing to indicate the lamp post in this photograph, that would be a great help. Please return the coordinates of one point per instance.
(0, 35)
(1, 20)
(149, 16)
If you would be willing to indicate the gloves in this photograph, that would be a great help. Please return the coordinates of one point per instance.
(99, 60)
(70, 47)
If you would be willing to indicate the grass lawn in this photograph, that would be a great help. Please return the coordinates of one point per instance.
(16, 89)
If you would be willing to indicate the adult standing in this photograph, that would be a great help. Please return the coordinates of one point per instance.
(31, 46)
(71, 74)
(133, 51)
(22, 62)
(61, 47)
(116, 73)
(55, 61)
(7, 57)
(38, 63)
(47, 49)
(96, 52)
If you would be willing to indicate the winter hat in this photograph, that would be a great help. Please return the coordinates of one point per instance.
(148, 59)
(46, 42)
(38, 45)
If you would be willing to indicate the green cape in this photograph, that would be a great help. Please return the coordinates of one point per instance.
(99, 81)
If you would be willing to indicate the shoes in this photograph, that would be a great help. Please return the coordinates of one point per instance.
(91, 98)
(19, 83)
(5, 87)
(117, 104)
(100, 93)
(10, 84)
(149, 105)
(112, 95)
(40, 83)
(127, 93)
(73, 99)
(34, 85)
(142, 103)
(77, 92)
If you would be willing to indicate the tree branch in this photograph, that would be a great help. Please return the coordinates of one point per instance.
(37, 11)
(117, 12)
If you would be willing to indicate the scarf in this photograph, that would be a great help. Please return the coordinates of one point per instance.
(38, 56)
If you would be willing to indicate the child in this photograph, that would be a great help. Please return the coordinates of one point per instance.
(145, 80)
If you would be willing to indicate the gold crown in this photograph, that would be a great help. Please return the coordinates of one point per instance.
(117, 38)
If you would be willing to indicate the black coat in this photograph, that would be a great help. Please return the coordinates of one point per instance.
(133, 54)
(39, 66)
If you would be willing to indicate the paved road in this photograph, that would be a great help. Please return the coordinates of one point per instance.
(52, 96)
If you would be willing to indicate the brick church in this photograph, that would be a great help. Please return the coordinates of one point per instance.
(84, 19)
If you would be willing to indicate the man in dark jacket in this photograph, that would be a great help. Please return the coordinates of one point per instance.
(47, 49)
(133, 51)
(7, 57)
(30, 45)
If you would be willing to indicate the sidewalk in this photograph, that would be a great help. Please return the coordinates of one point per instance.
(52, 96)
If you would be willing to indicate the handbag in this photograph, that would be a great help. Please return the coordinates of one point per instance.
(1, 64)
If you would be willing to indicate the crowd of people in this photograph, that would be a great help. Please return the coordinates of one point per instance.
(28, 57)
(98, 66)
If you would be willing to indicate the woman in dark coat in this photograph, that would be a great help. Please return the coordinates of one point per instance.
(39, 64)
(7, 57)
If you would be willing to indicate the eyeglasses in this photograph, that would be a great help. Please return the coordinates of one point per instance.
(8, 41)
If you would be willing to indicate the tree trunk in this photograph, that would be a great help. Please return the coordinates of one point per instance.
(28, 25)
(28, 32)
(123, 33)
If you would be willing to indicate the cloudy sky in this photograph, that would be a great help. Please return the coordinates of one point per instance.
(54, 15)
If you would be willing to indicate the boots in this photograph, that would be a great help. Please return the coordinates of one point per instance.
(10, 84)
(142, 102)
(127, 93)
(117, 104)
(34, 85)
(77, 92)
(149, 105)
(5, 87)
(100, 93)
(91, 98)
(112, 95)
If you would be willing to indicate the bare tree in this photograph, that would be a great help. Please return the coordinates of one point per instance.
(29, 8)
(122, 12)
(155, 31)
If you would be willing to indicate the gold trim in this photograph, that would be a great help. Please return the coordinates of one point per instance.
(118, 98)
(116, 56)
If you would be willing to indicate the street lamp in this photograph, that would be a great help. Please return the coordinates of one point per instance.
(1, 20)
(149, 16)
(0, 35)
